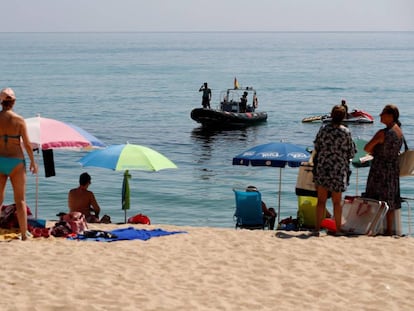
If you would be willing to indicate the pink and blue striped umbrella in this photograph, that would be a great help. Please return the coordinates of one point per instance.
(45, 133)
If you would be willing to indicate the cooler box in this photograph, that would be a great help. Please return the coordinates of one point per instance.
(307, 211)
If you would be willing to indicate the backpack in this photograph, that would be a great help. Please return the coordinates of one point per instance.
(72, 223)
(139, 219)
(8, 216)
(76, 221)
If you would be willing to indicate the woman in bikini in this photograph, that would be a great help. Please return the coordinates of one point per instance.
(12, 161)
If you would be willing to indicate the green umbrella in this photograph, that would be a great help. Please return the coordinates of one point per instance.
(127, 157)
(125, 192)
(361, 158)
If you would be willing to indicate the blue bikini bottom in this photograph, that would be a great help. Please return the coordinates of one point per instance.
(7, 165)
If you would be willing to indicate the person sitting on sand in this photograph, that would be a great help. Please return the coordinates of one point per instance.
(269, 214)
(82, 200)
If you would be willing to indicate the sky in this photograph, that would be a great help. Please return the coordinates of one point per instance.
(206, 15)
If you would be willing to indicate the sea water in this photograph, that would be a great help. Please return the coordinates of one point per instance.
(141, 87)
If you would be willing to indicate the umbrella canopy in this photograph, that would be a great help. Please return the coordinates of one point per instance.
(277, 154)
(47, 133)
(360, 159)
(127, 157)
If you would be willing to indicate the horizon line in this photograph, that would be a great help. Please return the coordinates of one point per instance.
(217, 31)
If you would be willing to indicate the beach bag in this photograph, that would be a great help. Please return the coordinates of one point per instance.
(139, 219)
(406, 161)
(304, 183)
(76, 221)
(72, 223)
(8, 216)
(61, 229)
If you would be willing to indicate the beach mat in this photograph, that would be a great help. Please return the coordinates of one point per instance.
(123, 234)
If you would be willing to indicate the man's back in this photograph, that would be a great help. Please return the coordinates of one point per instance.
(82, 200)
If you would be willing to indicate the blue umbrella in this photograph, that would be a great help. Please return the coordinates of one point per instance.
(277, 154)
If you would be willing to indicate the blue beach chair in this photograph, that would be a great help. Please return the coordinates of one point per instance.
(249, 213)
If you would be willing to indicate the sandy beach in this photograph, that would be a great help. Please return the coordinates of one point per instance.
(209, 269)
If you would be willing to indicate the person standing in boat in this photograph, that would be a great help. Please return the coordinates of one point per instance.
(243, 102)
(206, 95)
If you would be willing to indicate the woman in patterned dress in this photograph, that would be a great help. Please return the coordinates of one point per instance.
(383, 181)
(334, 149)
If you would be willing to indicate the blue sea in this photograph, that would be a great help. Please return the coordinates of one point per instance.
(141, 87)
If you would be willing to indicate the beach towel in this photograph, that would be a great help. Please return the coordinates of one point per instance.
(129, 233)
(6, 235)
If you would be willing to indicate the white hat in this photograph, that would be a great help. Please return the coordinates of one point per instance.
(7, 94)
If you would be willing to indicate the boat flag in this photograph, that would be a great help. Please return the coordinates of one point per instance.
(236, 83)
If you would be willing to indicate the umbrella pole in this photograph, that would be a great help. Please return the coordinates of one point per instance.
(356, 184)
(37, 186)
(37, 194)
(280, 191)
(125, 194)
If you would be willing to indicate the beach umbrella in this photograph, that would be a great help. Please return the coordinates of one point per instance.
(127, 157)
(47, 134)
(361, 158)
(125, 200)
(276, 154)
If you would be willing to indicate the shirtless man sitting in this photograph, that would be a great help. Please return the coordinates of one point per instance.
(82, 200)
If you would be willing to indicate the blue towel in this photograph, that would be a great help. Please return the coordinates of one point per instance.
(129, 233)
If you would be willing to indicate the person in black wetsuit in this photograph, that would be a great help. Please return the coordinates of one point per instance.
(243, 102)
(206, 95)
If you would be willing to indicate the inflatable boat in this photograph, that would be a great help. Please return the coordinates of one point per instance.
(237, 109)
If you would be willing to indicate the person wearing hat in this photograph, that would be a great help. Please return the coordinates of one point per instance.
(243, 102)
(268, 213)
(13, 132)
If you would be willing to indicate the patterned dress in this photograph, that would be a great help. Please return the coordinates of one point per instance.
(334, 150)
(384, 175)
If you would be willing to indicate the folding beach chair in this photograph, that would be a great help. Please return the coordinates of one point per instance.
(362, 215)
(249, 213)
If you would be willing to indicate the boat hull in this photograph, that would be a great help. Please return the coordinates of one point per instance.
(355, 117)
(225, 119)
(318, 119)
